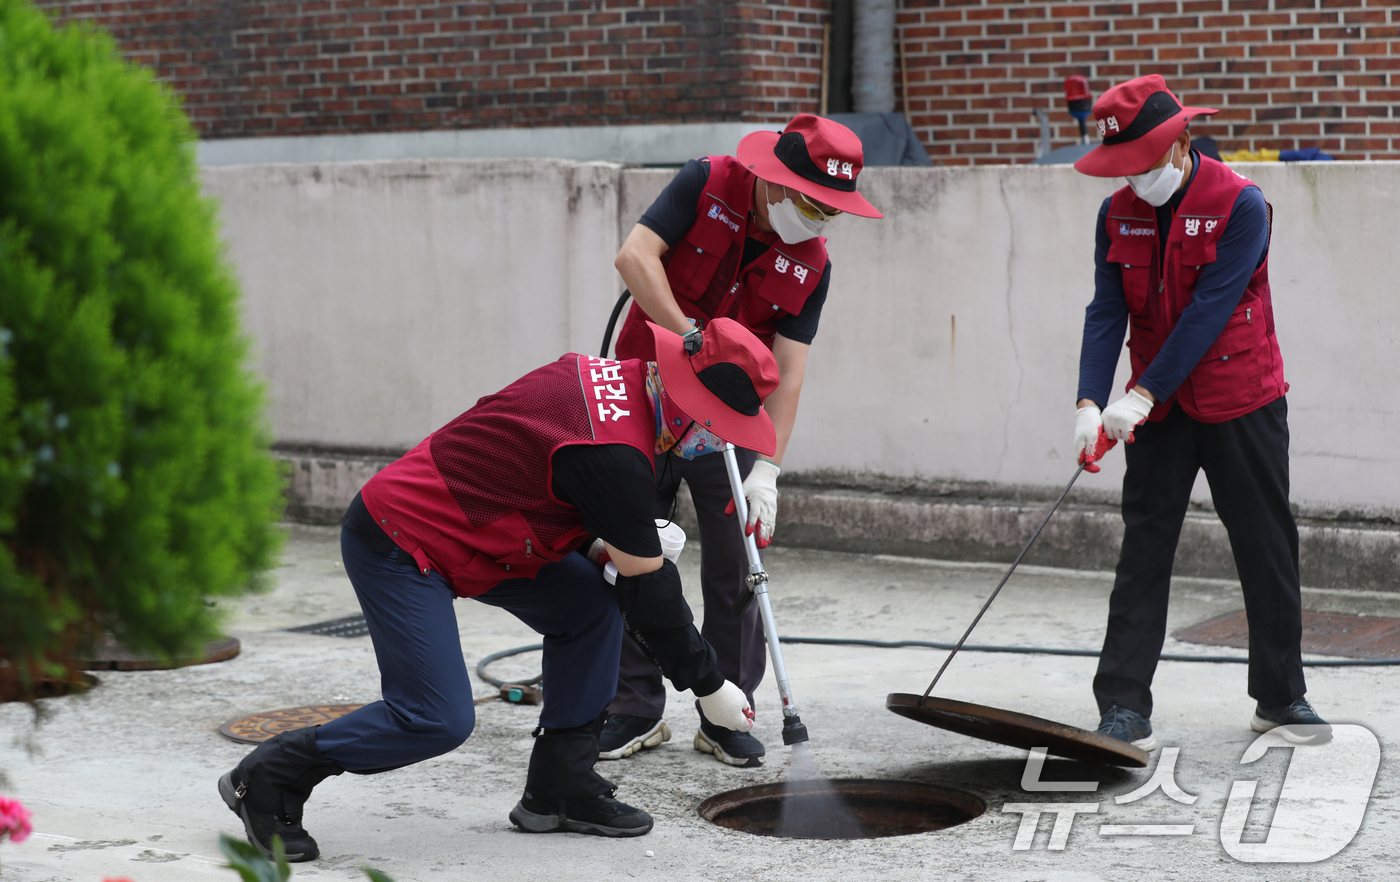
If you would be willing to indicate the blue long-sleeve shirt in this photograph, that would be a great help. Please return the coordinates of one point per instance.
(1240, 251)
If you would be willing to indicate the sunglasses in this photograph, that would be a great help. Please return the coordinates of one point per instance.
(812, 211)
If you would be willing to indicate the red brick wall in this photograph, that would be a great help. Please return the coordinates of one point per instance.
(1285, 73)
(332, 66)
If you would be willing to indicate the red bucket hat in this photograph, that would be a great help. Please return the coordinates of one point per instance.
(723, 385)
(815, 156)
(1138, 121)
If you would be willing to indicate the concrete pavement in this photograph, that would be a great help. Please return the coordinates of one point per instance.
(122, 780)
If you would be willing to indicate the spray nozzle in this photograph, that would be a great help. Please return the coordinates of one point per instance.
(793, 730)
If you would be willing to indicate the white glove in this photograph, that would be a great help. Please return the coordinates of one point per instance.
(728, 708)
(597, 553)
(1126, 414)
(761, 491)
(1087, 421)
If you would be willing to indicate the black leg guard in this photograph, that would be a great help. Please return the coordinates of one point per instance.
(269, 788)
(564, 794)
(561, 765)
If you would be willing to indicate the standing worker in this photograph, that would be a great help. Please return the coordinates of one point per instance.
(1182, 257)
(737, 238)
(493, 506)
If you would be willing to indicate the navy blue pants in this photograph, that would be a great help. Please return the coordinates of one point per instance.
(1246, 463)
(426, 709)
(738, 640)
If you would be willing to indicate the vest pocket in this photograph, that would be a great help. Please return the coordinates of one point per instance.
(1230, 372)
(695, 260)
(1191, 257)
(1135, 258)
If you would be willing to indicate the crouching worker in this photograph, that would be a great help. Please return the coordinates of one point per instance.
(494, 506)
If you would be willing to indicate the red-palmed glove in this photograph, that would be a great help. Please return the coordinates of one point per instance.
(1126, 414)
(597, 553)
(761, 491)
(1090, 442)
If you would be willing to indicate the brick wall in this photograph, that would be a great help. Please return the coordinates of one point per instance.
(1285, 73)
(248, 67)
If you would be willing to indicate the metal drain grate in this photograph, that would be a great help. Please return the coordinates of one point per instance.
(1323, 634)
(350, 626)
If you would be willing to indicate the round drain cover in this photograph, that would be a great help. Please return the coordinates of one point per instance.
(258, 728)
(109, 655)
(840, 809)
(47, 687)
(1016, 730)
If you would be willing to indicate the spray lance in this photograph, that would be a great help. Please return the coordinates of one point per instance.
(756, 586)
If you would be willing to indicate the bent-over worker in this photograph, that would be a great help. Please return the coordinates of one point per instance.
(493, 506)
(735, 237)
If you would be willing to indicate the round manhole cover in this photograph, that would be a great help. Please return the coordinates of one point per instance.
(1016, 729)
(109, 655)
(48, 687)
(258, 728)
(847, 808)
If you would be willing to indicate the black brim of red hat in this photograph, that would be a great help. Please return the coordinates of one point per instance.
(1140, 154)
(756, 154)
(699, 403)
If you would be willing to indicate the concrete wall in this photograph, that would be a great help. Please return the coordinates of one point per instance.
(385, 297)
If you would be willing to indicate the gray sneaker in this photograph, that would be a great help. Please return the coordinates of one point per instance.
(1129, 726)
(1300, 723)
(625, 734)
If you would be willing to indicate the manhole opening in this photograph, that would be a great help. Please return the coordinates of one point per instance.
(349, 626)
(841, 809)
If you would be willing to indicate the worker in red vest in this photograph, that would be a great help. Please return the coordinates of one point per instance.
(1182, 260)
(494, 506)
(740, 238)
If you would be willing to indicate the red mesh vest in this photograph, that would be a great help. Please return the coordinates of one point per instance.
(1243, 370)
(704, 272)
(473, 500)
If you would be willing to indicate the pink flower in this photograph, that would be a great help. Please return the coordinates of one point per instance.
(14, 820)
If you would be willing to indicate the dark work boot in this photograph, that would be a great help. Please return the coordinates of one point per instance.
(270, 786)
(564, 795)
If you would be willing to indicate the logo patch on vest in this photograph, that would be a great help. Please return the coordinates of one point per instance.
(1130, 230)
(609, 388)
(722, 218)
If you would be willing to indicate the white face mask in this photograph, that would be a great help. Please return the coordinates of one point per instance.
(791, 225)
(1155, 187)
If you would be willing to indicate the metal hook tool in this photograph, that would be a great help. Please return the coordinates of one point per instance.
(1014, 564)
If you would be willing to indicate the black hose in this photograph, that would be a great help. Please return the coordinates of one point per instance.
(497, 656)
(1083, 653)
(612, 321)
(926, 644)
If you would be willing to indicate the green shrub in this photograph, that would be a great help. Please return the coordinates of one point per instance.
(135, 482)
